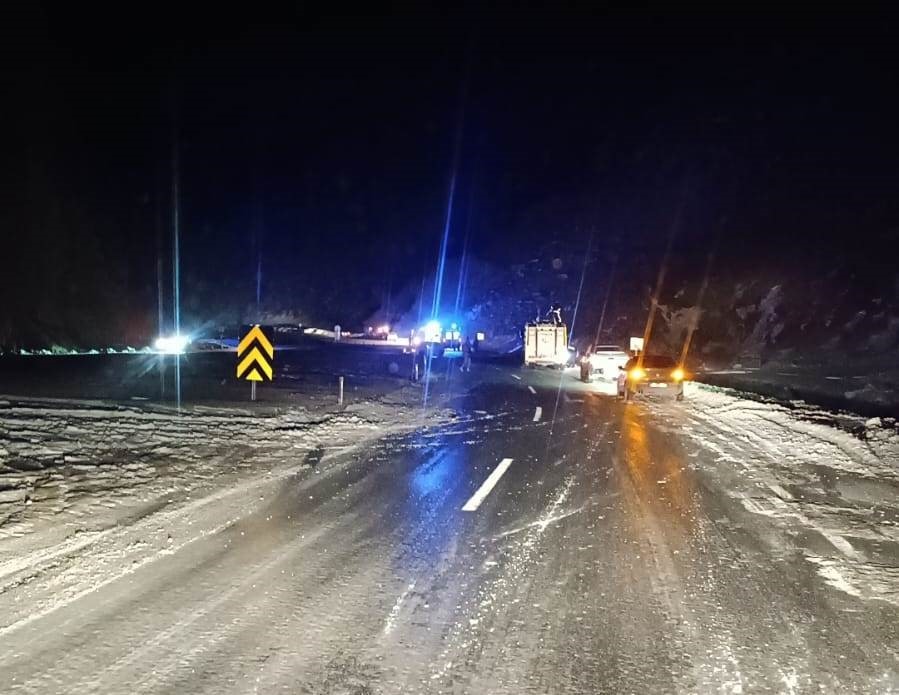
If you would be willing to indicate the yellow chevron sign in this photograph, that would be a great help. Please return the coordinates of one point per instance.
(255, 356)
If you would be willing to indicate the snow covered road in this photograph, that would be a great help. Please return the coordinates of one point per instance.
(716, 545)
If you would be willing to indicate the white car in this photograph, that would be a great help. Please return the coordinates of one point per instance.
(604, 360)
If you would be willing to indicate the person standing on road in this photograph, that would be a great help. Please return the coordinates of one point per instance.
(587, 365)
(419, 362)
(466, 354)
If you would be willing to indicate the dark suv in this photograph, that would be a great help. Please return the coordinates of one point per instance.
(651, 374)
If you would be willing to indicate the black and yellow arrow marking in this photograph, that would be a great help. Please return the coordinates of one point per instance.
(255, 356)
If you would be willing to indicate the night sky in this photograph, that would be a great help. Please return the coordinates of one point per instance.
(331, 140)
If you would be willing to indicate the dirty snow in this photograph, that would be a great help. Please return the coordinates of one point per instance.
(830, 480)
(90, 491)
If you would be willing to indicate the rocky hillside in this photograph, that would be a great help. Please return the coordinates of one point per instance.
(745, 315)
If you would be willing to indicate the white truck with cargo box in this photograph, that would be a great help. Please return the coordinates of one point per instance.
(546, 344)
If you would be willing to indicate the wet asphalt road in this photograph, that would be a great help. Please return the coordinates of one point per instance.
(604, 560)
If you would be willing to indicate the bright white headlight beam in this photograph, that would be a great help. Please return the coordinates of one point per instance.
(171, 344)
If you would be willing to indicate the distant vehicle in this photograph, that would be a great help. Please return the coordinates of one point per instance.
(288, 333)
(288, 328)
(604, 360)
(546, 344)
(378, 333)
(437, 338)
(653, 374)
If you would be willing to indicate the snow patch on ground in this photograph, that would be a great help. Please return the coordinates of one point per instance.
(828, 481)
(63, 351)
(803, 434)
(90, 491)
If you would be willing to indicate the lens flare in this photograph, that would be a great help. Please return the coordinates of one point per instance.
(171, 344)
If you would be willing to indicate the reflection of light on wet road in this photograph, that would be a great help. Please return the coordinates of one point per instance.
(433, 475)
(653, 477)
(430, 516)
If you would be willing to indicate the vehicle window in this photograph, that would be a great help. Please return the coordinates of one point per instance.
(658, 362)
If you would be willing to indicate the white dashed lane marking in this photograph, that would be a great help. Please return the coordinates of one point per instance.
(487, 486)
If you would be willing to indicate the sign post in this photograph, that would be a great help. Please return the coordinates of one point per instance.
(255, 357)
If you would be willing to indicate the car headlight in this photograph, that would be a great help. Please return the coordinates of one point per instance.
(636, 374)
(678, 374)
(172, 344)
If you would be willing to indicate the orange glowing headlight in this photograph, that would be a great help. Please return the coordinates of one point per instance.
(678, 374)
(636, 374)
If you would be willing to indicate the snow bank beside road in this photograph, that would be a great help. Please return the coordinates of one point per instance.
(90, 491)
(64, 457)
(868, 447)
(868, 384)
(828, 482)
